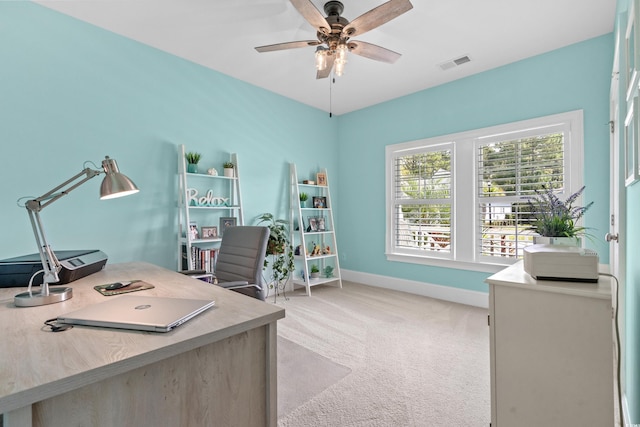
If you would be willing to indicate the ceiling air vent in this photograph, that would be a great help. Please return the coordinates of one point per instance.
(455, 62)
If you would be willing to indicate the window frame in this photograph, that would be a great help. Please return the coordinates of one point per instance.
(436, 147)
(465, 203)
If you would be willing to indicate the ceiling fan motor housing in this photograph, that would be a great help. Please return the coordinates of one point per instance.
(333, 9)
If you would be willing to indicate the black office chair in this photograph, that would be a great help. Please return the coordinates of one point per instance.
(241, 259)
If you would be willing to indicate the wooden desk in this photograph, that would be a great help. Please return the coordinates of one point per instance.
(218, 369)
(551, 351)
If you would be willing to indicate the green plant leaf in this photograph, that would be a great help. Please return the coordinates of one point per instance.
(279, 254)
(193, 157)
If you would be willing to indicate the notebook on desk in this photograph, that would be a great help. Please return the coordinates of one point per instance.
(140, 313)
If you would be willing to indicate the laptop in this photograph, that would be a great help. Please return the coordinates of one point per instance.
(140, 313)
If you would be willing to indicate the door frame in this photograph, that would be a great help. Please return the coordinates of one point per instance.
(617, 201)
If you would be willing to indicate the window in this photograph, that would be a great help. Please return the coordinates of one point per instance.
(423, 194)
(461, 200)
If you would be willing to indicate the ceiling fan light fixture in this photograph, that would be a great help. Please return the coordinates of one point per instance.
(341, 58)
(321, 58)
(341, 52)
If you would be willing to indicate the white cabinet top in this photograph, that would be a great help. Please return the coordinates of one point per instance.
(515, 276)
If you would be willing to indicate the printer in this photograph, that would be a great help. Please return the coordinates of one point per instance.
(562, 263)
(75, 264)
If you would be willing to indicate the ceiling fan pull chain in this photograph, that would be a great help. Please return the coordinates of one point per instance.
(331, 82)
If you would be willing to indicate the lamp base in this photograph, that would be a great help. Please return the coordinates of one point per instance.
(31, 299)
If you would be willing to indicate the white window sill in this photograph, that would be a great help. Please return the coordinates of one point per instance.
(447, 263)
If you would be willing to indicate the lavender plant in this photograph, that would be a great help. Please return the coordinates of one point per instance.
(554, 217)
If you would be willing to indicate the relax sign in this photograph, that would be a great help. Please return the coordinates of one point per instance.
(208, 200)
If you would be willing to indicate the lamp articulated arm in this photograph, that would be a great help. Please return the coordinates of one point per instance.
(114, 184)
(50, 263)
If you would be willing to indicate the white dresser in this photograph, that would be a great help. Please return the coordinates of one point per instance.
(551, 351)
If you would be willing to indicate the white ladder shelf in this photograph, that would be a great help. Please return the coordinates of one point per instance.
(192, 251)
(312, 226)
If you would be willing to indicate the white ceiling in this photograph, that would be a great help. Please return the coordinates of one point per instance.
(221, 35)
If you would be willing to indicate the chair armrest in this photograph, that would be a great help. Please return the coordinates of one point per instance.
(236, 285)
(193, 272)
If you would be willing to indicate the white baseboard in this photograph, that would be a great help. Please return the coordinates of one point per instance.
(446, 293)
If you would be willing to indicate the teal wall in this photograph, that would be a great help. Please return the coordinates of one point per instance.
(572, 78)
(71, 92)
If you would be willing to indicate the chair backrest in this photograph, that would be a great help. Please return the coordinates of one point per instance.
(241, 256)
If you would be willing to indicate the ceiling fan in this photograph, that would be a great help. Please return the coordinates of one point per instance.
(334, 33)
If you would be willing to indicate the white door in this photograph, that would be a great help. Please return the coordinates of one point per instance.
(617, 223)
(617, 193)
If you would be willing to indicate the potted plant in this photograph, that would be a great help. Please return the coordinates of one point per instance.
(328, 271)
(555, 219)
(303, 199)
(315, 272)
(228, 169)
(192, 161)
(279, 250)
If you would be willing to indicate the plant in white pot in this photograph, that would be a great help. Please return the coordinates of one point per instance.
(228, 169)
(555, 219)
(315, 272)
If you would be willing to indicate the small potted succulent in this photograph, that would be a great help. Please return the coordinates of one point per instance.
(328, 271)
(303, 199)
(315, 272)
(228, 169)
(192, 161)
(555, 220)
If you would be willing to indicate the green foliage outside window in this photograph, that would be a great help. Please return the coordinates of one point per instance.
(523, 166)
(426, 176)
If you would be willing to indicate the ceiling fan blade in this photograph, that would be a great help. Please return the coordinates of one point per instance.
(287, 45)
(373, 51)
(323, 74)
(376, 17)
(312, 15)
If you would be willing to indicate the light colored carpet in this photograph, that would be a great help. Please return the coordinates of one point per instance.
(384, 358)
(303, 375)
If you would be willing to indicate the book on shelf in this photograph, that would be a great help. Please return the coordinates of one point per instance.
(201, 259)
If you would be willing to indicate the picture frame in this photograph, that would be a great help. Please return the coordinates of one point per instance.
(193, 233)
(226, 222)
(631, 166)
(321, 179)
(209, 232)
(319, 202)
(313, 224)
(321, 223)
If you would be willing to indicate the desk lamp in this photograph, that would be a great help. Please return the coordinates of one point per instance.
(114, 185)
